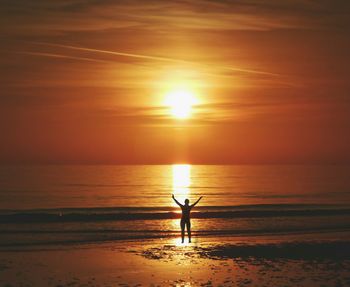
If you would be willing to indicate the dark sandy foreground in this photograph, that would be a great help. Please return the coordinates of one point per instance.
(314, 260)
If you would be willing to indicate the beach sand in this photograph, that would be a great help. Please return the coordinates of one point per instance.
(289, 260)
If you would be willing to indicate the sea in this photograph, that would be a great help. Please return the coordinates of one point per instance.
(54, 205)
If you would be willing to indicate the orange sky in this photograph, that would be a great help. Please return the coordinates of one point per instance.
(85, 81)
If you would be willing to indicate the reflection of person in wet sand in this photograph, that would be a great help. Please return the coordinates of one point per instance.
(186, 217)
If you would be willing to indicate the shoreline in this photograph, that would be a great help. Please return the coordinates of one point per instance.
(331, 234)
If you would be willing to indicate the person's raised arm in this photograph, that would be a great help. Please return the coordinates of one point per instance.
(178, 203)
(196, 201)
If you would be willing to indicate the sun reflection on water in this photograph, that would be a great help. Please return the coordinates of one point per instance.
(181, 181)
(177, 242)
(181, 189)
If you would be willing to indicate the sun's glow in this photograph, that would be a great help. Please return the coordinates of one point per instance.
(181, 181)
(180, 103)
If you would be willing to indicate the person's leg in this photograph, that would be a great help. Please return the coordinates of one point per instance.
(182, 224)
(188, 226)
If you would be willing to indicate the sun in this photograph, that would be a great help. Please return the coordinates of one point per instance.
(180, 103)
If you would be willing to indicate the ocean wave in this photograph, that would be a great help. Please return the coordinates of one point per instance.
(123, 214)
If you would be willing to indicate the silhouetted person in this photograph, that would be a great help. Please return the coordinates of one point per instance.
(186, 217)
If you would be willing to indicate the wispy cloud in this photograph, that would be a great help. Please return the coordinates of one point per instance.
(67, 16)
(150, 57)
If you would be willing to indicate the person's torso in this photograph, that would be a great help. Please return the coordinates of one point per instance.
(186, 210)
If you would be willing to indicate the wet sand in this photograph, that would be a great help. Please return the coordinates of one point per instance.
(289, 260)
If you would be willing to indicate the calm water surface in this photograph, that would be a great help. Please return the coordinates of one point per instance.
(151, 186)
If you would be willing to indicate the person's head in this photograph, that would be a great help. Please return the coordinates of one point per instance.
(187, 201)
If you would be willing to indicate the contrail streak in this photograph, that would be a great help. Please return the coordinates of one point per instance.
(156, 58)
(164, 59)
(51, 55)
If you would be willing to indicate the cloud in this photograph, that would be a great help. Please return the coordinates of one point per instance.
(60, 17)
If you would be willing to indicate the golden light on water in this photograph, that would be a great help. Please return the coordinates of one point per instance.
(177, 241)
(181, 174)
(181, 181)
